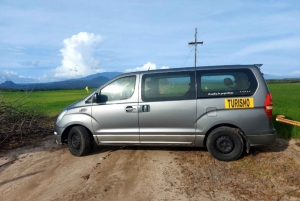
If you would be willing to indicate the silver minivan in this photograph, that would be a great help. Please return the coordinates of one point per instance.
(227, 109)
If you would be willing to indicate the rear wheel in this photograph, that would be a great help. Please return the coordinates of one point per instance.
(225, 144)
(79, 141)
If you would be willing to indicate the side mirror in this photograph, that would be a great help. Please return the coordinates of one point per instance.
(98, 98)
(95, 98)
(103, 98)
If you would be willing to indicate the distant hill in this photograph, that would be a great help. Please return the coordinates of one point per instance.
(105, 74)
(68, 84)
(92, 81)
(8, 84)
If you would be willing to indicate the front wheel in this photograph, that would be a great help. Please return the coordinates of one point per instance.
(225, 144)
(79, 141)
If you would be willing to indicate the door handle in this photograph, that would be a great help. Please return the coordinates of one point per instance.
(130, 109)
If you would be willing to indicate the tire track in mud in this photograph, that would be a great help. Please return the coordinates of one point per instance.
(131, 174)
(109, 173)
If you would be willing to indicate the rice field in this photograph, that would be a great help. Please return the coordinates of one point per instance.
(50, 103)
(286, 101)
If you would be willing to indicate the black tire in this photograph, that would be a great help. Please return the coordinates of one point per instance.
(225, 144)
(79, 141)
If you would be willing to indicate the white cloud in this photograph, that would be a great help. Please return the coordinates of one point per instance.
(297, 72)
(283, 44)
(30, 63)
(145, 67)
(78, 56)
(7, 75)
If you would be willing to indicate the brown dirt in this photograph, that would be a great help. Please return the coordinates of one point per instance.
(47, 171)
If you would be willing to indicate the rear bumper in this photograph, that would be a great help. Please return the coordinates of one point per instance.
(261, 140)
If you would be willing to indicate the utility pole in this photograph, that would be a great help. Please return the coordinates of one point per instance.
(195, 44)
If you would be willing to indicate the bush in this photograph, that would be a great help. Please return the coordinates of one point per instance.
(20, 123)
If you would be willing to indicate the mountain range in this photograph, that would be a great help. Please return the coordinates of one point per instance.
(92, 81)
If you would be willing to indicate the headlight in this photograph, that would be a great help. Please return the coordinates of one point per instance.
(62, 114)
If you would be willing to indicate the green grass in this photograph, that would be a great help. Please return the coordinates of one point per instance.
(50, 103)
(286, 101)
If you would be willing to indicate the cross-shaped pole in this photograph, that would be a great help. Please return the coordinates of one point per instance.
(195, 44)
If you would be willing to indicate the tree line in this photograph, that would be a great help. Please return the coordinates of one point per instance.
(283, 81)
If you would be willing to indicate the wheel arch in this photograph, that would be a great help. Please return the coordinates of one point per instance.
(239, 130)
(64, 136)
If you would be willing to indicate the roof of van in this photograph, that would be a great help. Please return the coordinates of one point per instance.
(198, 68)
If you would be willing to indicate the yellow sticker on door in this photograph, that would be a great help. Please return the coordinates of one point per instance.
(236, 103)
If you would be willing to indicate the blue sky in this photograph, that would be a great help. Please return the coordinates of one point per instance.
(42, 41)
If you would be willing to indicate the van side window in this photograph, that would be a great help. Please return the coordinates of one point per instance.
(226, 83)
(168, 86)
(120, 89)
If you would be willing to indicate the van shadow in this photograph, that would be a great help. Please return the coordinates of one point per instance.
(280, 145)
(108, 148)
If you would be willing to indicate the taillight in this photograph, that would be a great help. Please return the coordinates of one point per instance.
(268, 106)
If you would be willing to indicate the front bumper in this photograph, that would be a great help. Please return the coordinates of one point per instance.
(58, 134)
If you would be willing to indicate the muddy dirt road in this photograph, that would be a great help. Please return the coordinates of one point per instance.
(47, 171)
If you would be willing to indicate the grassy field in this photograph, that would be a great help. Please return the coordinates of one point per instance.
(286, 100)
(50, 103)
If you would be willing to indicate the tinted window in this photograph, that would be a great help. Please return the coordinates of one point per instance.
(120, 89)
(168, 86)
(224, 83)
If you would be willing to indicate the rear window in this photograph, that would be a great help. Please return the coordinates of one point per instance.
(226, 83)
